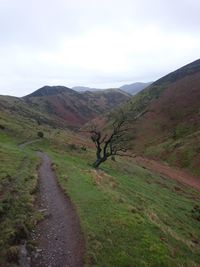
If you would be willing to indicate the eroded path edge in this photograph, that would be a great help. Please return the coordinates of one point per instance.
(170, 172)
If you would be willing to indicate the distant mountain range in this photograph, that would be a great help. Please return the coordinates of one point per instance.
(63, 105)
(135, 88)
(84, 88)
(131, 89)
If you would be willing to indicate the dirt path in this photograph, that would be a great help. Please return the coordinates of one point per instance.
(176, 174)
(22, 145)
(60, 241)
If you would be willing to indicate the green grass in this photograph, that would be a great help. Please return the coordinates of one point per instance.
(130, 216)
(18, 183)
(183, 152)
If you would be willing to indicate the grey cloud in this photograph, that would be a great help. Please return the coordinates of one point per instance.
(31, 28)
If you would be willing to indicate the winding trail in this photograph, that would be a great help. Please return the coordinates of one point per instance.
(173, 173)
(22, 145)
(59, 236)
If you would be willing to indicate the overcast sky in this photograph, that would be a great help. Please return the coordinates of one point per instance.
(97, 43)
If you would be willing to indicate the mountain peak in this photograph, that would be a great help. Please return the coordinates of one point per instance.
(50, 91)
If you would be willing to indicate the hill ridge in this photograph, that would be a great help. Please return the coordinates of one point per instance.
(50, 90)
(166, 118)
(188, 69)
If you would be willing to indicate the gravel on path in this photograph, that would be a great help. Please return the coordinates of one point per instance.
(59, 236)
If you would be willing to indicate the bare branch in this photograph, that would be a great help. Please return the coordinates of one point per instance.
(112, 141)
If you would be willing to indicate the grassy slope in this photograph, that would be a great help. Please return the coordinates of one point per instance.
(130, 216)
(18, 182)
(18, 177)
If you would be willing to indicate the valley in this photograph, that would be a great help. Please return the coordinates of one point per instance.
(132, 211)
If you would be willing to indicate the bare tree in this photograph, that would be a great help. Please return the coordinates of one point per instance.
(112, 142)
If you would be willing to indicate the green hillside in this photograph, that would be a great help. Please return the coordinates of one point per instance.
(129, 216)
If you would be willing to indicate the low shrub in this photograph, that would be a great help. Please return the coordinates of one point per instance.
(40, 134)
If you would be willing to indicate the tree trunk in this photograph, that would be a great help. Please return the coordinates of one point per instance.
(97, 163)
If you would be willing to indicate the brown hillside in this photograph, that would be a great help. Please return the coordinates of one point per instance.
(168, 123)
(176, 112)
(74, 108)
